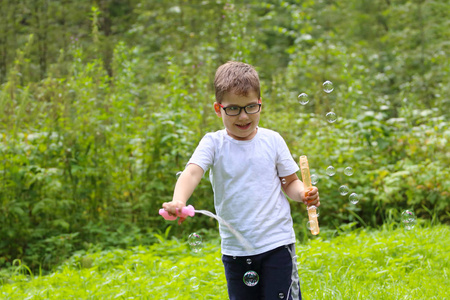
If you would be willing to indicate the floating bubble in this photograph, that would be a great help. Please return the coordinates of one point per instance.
(343, 190)
(175, 272)
(194, 282)
(251, 278)
(348, 171)
(178, 174)
(331, 171)
(249, 261)
(281, 295)
(283, 181)
(331, 117)
(195, 241)
(311, 224)
(303, 99)
(408, 219)
(354, 198)
(314, 179)
(313, 211)
(328, 86)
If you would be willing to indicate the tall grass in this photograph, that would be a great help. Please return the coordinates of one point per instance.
(362, 264)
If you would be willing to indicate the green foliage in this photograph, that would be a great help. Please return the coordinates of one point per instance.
(363, 264)
(102, 106)
(395, 168)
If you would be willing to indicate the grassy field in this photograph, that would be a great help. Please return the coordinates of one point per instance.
(361, 264)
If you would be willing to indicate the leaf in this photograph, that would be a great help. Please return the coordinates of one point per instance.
(61, 223)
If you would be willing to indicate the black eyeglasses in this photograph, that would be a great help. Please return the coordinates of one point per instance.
(235, 110)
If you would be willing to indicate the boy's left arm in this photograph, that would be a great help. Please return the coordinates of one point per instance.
(295, 190)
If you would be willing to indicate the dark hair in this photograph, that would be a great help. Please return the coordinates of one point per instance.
(237, 77)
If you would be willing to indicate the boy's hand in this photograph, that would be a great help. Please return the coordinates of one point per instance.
(173, 208)
(311, 197)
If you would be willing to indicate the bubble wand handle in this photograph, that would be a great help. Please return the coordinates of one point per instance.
(306, 178)
(185, 212)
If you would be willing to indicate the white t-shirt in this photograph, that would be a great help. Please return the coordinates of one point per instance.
(247, 189)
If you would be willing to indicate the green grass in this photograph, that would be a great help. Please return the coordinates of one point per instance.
(363, 264)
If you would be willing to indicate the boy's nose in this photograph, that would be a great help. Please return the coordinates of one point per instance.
(243, 114)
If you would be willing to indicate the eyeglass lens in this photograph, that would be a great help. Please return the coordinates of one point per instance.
(236, 110)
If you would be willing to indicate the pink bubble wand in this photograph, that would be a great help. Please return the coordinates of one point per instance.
(185, 212)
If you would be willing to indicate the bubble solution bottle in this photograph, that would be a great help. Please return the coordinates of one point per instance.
(306, 178)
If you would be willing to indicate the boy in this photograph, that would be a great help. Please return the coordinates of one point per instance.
(248, 166)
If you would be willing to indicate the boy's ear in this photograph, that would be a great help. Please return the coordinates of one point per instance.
(217, 109)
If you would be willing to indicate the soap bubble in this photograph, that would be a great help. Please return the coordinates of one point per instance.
(251, 278)
(343, 190)
(283, 181)
(178, 174)
(331, 171)
(311, 224)
(313, 211)
(195, 241)
(314, 179)
(331, 117)
(194, 283)
(249, 261)
(354, 198)
(303, 99)
(348, 171)
(328, 86)
(175, 272)
(408, 219)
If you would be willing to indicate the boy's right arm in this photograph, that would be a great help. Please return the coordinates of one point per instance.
(185, 186)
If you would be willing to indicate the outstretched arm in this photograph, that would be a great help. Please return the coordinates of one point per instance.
(185, 186)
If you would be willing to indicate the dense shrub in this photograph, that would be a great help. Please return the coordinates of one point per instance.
(89, 149)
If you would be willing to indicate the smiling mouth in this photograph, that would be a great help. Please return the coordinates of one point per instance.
(243, 126)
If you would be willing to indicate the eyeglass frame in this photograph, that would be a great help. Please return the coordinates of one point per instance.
(240, 109)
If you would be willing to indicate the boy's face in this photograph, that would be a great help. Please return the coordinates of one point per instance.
(242, 126)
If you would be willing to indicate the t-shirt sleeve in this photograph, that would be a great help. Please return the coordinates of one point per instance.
(286, 164)
(204, 153)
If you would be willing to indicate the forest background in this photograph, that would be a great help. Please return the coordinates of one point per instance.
(103, 102)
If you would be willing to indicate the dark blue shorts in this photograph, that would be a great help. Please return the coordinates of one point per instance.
(277, 270)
